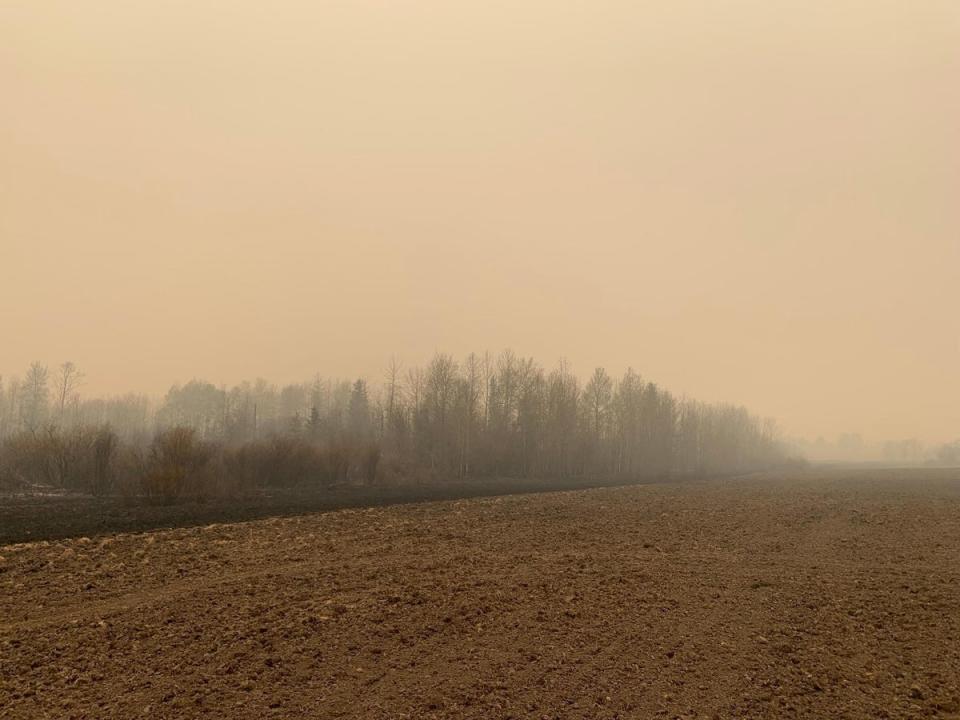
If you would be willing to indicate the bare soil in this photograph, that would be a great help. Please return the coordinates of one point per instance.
(48, 516)
(832, 594)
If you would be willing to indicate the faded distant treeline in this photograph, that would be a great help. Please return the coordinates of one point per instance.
(482, 417)
(852, 448)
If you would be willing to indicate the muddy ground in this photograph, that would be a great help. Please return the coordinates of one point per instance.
(821, 595)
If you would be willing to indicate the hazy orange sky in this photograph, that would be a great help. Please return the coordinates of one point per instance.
(752, 201)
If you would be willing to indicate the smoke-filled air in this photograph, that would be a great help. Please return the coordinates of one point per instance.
(477, 360)
(747, 202)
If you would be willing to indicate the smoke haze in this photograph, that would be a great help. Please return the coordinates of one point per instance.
(746, 201)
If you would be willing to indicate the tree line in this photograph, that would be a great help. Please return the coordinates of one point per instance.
(485, 416)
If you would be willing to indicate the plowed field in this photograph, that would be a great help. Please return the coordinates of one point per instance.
(822, 595)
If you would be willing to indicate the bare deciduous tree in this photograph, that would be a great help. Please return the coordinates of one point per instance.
(36, 396)
(484, 417)
(69, 380)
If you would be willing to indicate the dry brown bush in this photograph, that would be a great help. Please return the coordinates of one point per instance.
(78, 459)
(176, 466)
(290, 462)
(368, 462)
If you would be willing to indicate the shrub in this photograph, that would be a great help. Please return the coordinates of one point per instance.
(369, 461)
(103, 456)
(336, 460)
(175, 466)
(284, 461)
